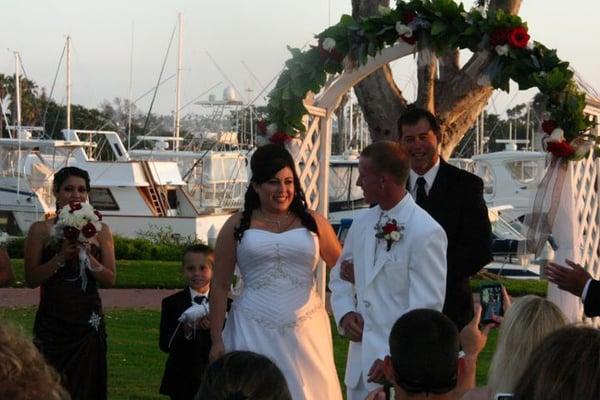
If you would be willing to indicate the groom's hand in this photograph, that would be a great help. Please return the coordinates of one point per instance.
(352, 324)
(347, 271)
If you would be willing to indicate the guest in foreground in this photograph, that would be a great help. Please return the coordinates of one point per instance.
(6, 273)
(243, 375)
(276, 242)
(24, 374)
(526, 323)
(566, 365)
(576, 280)
(399, 257)
(69, 326)
(187, 343)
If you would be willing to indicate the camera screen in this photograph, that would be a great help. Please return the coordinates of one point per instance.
(491, 302)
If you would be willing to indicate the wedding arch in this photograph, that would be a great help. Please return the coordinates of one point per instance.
(302, 104)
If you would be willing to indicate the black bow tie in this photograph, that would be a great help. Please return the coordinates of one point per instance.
(199, 299)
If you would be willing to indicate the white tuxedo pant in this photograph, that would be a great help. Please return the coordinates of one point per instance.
(362, 389)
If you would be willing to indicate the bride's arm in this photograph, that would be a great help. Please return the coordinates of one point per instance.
(105, 272)
(328, 242)
(37, 272)
(225, 259)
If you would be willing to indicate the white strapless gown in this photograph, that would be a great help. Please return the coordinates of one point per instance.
(279, 313)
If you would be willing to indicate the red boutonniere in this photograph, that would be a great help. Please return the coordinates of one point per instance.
(389, 230)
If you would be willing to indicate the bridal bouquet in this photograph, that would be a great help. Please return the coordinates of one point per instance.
(79, 222)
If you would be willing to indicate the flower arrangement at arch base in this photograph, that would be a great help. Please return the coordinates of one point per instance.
(500, 39)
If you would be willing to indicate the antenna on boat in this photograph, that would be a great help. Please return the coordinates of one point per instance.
(68, 82)
(129, 108)
(18, 89)
(178, 85)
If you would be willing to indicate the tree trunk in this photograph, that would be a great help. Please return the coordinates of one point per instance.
(450, 92)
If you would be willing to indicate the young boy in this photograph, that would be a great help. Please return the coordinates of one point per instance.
(189, 347)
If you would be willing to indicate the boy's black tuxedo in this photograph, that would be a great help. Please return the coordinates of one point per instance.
(591, 305)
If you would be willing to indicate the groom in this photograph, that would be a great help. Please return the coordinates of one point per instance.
(399, 256)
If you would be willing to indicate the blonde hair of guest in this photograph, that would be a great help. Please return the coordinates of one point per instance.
(529, 320)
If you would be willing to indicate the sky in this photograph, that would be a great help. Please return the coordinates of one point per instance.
(110, 38)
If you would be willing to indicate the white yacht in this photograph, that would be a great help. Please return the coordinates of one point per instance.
(133, 196)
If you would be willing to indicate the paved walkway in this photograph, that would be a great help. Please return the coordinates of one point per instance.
(111, 298)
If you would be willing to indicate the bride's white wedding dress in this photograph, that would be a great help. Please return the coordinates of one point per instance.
(279, 313)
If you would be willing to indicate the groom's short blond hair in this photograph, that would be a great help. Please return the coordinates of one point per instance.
(389, 157)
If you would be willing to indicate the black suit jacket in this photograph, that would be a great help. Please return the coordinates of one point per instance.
(591, 306)
(456, 202)
(187, 358)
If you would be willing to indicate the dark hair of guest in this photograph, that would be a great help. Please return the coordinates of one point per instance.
(267, 161)
(64, 173)
(412, 117)
(243, 375)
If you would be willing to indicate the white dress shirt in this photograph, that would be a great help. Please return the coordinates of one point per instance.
(429, 178)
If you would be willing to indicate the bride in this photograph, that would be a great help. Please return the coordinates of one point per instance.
(276, 242)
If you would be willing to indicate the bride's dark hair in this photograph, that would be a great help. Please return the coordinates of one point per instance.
(267, 161)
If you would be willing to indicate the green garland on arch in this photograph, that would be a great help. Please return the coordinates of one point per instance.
(441, 26)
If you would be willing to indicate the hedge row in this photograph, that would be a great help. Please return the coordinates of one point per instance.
(125, 249)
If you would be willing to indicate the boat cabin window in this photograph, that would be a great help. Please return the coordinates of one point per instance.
(103, 200)
(172, 198)
(523, 171)
(485, 172)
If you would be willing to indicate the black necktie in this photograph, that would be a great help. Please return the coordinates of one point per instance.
(421, 193)
(199, 299)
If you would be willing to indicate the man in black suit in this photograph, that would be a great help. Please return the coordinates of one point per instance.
(188, 345)
(578, 281)
(454, 198)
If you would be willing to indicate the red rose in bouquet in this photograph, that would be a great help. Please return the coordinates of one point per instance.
(97, 213)
(280, 138)
(89, 230)
(389, 228)
(70, 233)
(74, 206)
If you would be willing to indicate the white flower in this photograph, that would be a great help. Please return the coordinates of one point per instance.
(271, 129)
(530, 44)
(395, 236)
(557, 135)
(403, 30)
(386, 236)
(502, 50)
(383, 10)
(328, 44)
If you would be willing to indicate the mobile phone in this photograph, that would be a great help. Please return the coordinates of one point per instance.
(490, 296)
(388, 389)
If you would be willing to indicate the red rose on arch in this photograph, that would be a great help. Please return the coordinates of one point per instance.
(499, 37)
(409, 39)
(74, 206)
(518, 37)
(280, 138)
(89, 230)
(70, 233)
(549, 125)
(389, 228)
(560, 149)
(408, 17)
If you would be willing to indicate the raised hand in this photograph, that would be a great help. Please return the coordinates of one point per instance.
(353, 324)
(572, 279)
(347, 270)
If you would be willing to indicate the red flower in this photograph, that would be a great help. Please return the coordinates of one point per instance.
(560, 149)
(74, 206)
(261, 127)
(389, 228)
(499, 37)
(70, 233)
(408, 17)
(89, 230)
(280, 138)
(549, 125)
(518, 37)
(98, 215)
(410, 40)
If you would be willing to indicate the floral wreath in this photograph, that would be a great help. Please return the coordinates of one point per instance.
(440, 26)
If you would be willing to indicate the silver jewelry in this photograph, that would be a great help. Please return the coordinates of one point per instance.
(275, 221)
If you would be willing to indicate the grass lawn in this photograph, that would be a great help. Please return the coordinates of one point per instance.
(166, 275)
(135, 364)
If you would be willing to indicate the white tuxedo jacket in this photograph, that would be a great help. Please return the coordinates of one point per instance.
(411, 275)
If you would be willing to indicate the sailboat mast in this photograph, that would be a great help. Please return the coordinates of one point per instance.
(18, 89)
(178, 87)
(68, 82)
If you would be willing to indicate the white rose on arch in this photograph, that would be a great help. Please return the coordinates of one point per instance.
(403, 30)
(271, 129)
(328, 44)
(502, 50)
(557, 135)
